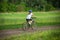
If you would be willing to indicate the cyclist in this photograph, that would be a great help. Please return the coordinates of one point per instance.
(29, 17)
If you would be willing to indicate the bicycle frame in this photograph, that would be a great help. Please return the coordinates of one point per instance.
(29, 24)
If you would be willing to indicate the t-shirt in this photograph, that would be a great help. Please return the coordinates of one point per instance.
(29, 16)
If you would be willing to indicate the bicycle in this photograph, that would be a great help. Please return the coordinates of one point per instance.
(31, 24)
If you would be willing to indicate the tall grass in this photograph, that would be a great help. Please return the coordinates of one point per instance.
(18, 18)
(44, 35)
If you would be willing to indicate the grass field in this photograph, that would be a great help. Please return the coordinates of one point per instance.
(44, 35)
(16, 19)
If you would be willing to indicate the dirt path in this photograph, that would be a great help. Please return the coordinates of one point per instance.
(4, 33)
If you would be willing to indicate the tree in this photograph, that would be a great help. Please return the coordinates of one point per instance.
(24, 5)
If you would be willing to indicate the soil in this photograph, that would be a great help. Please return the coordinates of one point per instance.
(5, 33)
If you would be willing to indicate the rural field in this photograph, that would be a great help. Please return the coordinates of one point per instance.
(15, 19)
(48, 24)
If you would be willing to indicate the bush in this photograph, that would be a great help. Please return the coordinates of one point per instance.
(49, 7)
(3, 8)
(21, 7)
(11, 7)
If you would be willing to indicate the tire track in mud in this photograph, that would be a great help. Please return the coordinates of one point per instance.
(5, 33)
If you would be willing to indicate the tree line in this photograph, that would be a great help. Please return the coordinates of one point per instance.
(25, 5)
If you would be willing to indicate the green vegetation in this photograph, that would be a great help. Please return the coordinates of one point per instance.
(16, 19)
(13, 14)
(44, 35)
(25, 5)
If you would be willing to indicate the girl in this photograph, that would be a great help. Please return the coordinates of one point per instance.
(29, 16)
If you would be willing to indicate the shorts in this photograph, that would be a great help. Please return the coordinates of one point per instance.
(28, 20)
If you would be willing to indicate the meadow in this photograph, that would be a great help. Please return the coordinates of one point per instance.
(15, 20)
(38, 35)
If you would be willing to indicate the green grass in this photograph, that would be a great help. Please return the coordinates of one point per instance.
(15, 20)
(44, 35)
(18, 18)
(15, 26)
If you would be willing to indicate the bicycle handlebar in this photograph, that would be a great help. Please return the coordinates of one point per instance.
(33, 17)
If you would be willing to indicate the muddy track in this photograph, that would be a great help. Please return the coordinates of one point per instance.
(4, 33)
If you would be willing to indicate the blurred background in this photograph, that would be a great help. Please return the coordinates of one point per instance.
(25, 5)
(13, 14)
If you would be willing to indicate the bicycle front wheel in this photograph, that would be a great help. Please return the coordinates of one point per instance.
(34, 25)
(24, 26)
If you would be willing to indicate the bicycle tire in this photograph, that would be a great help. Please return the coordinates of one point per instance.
(34, 25)
(24, 26)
